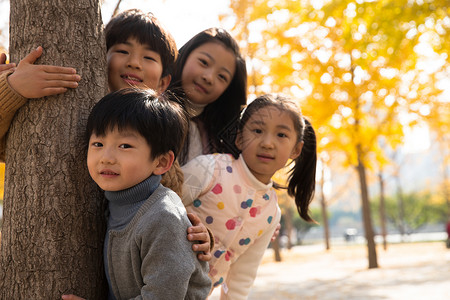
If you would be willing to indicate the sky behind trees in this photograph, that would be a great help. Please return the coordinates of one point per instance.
(182, 18)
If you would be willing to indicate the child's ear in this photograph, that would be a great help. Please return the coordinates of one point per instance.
(239, 141)
(297, 150)
(163, 84)
(165, 162)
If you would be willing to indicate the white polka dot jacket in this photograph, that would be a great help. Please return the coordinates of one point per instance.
(242, 213)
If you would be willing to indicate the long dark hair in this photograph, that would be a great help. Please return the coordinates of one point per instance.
(302, 176)
(220, 117)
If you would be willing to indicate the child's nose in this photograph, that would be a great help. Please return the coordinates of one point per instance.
(208, 77)
(267, 141)
(134, 62)
(108, 157)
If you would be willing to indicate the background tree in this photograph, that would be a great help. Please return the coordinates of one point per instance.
(438, 120)
(53, 213)
(420, 209)
(356, 66)
(323, 202)
(382, 210)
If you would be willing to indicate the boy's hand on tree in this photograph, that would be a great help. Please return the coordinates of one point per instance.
(36, 81)
(199, 233)
(3, 65)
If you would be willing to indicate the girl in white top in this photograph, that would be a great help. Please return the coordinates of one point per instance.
(211, 79)
(235, 197)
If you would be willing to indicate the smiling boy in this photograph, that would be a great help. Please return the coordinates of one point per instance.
(145, 251)
(140, 52)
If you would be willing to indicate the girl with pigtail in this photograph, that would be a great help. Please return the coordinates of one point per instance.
(235, 196)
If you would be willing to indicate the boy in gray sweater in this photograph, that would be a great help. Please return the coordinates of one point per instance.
(133, 138)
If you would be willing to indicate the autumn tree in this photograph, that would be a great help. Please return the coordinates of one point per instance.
(323, 203)
(53, 213)
(356, 66)
(420, 208)
(438, 120)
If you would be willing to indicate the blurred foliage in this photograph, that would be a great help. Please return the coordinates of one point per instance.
(350, 63)
(362, 71)
(420, 209)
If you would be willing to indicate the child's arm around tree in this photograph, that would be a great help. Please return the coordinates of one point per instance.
(36, 81)
(29, 81)
(3, 65)
(10, 102)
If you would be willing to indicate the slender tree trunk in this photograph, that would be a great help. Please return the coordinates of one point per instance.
(401, 208)
(382, 211)
(276, 249)
(54, 221)
(367, 219)
(445, 177)
(289, 227)
(368, 229)
(323, 204)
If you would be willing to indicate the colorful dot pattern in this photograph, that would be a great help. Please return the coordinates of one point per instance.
(235, 212)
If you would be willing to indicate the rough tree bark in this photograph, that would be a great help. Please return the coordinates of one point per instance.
(53, 213)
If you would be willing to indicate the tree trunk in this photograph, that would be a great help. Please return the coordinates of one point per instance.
(53, 230)
(276, 249)
(368, 229)
(401, 208)
(323, 204)
(288, 216)
(382, 211)
(446, 188)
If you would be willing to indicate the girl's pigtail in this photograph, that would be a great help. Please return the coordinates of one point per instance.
(302, 177)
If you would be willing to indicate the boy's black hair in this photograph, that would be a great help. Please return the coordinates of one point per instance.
(160, 120)
(302, 176)
(147, 30)
(219, 116)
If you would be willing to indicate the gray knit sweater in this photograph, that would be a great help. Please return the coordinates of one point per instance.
(148, 255)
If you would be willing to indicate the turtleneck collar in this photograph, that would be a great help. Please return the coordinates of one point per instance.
(124, 204)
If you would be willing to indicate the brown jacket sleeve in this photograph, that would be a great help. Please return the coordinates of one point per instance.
(10, 102)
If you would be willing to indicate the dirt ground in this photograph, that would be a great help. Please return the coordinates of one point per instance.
(409, 271)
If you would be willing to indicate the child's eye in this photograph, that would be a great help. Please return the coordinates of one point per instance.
(257, 130)
(149, 58)
(203, 61)
(122, 51)
(125, 146)
(97, 144)
(282, 135)
(223, 77)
